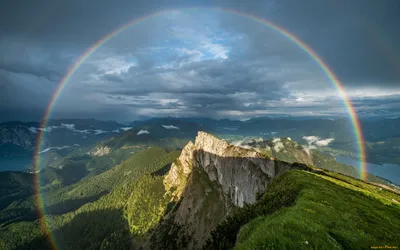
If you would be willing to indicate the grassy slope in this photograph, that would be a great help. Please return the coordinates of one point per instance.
(330, 212)
(98, 185)
(100, 221)
(76, 167)
(135, 198)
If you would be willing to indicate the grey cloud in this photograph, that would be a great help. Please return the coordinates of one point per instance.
(20, 68)
(377, 101)
(262, 63)
(213, 77)
(112, 78)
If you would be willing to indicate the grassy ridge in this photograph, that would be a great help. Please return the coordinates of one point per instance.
(330, 212)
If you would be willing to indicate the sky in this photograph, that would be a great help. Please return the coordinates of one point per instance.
(195, 58)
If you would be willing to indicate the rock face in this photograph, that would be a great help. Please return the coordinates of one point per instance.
(179, 172)
(206, 181)
(241, 173)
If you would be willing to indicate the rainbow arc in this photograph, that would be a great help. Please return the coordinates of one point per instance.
(300, 44)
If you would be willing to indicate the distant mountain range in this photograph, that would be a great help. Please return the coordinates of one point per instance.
(18, 139)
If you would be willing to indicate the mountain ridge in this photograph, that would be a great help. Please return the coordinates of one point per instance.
(211, 177)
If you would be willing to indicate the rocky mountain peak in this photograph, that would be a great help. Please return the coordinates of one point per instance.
(241, 173)
(209, 178)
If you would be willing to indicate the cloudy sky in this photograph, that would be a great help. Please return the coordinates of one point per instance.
(198, 61)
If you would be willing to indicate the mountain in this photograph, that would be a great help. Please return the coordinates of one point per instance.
(23, 134)
(210, 195)
(208, 180)
(286, 149)
(166, 131)
(18, 139)
(377, 132)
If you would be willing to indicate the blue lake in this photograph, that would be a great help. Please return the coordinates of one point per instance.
(14, 163)
(388, 171)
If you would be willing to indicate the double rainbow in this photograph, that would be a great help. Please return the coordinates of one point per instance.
(318, 60)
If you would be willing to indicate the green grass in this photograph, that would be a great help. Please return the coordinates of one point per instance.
(330, 212)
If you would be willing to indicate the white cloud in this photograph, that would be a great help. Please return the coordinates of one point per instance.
(242, 143)
(99, 131)
(71, 127)
(317, 141)
(324, 143)
(372, 92)
(229, 128)
(275, 140)
(126, 128)
(85, 131)
(311, 139)
(68, 126)
(218, 51)
(278, 146)
(141, 132)
(170, 127)
(114, 65)
(259, 140)
(33, 130)
(48, 129)
(50, 148)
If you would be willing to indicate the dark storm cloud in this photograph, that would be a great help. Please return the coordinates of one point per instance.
(358, 40)
(211, 77)
(20, 68)
(40, 60)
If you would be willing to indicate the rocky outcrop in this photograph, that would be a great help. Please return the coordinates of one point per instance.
(179, 172)
(241, 173)
(207, 180)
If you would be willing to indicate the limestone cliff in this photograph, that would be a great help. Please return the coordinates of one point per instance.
(208, 179)
(241, 173)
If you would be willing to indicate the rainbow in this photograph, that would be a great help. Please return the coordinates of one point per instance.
(317, 59)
